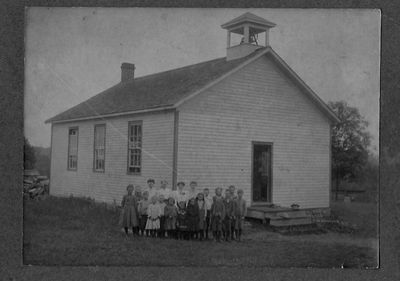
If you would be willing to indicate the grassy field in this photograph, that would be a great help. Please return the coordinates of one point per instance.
(72, 231)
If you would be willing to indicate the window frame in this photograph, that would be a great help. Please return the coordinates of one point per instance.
(130, 124)
(69, 148)
(94, 148)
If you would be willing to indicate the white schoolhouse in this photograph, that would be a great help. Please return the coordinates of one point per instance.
(246, 119)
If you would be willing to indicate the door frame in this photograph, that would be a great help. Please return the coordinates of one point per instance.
(271, 144)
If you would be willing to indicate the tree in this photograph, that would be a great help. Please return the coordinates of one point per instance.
(350, 142)
(29, 155)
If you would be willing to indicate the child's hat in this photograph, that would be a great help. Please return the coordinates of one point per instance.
(150, 180)
(181, 183)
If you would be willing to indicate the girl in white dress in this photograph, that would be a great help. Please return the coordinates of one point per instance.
(153, 216)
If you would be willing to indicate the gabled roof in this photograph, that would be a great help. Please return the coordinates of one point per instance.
(248, 17)
(152, 92)
(169, 89)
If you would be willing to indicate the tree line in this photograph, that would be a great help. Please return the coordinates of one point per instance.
(352, 160)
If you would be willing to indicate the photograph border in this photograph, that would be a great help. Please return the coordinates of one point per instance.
(12, 27)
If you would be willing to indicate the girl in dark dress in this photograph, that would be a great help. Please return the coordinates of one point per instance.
(181, 221)
(202, 214)
(129, 215)
(217, 214)
(192, 215)
(170, 213)
(143, 205)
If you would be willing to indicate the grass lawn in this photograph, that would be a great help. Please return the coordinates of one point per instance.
(72, 231)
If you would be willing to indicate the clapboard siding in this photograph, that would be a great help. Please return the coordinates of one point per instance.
(157, 157)
(257, 103)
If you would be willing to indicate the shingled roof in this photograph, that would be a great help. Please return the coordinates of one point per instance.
(168, 89)
(152, 91)
(248, 17)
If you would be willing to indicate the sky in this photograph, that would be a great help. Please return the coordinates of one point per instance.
(72, 54)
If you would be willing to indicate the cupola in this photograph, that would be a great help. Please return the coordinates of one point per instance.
(249, 26)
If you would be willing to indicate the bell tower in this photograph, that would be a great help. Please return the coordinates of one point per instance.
(249, 26)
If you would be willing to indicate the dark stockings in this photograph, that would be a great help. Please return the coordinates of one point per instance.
(134, 230)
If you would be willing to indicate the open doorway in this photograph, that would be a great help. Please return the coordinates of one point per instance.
(262, 172)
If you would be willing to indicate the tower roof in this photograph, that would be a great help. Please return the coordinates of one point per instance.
(248, 18)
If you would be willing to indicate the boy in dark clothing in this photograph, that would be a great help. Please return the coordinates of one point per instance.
(240, 212)
(229, 215)
(232, 189)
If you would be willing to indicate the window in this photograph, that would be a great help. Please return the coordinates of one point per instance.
(135, 147)
(72, 148)
(99, 147)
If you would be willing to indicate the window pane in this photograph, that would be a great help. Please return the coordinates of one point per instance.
(99, 147)
(134, 145)
(72, 148)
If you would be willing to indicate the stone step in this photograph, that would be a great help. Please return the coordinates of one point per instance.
(291, 221)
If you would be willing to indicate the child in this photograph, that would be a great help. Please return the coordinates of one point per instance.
(152, 191)
(164, 191)
(180, 195)
(192, 214)
(229, 214)
(240, 211)
(153, 216)
(232, 191)
(181, 221)
(129, 214)
(170, 214)
(202, 214)
(138, 192)
(161, 202)
(233, 198)
(208, 203)
(192, 193)
(217, 214)
(143, 205)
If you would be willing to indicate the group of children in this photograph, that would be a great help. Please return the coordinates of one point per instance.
(182, 214)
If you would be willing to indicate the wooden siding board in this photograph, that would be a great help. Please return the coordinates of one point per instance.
(110, 185)
(258, 103)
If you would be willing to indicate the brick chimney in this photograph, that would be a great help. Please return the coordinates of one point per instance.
(127, 71)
